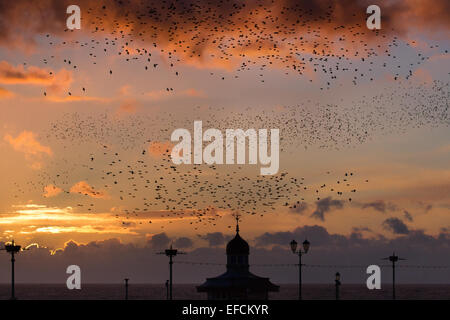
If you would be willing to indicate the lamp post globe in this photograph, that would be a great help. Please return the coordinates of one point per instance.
(294, 246)
(306, 246)
(338, 276)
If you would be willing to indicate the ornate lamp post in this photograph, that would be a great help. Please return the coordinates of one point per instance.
(337, 282)
(300, 253)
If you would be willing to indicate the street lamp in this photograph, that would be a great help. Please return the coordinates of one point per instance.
(300, 253)
(337, 281)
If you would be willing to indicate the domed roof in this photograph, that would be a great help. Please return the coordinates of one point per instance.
(237, 245)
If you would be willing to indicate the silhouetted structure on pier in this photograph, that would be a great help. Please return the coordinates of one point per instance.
(393, 259)
(12, 249)
(237, 283)
(171, 252)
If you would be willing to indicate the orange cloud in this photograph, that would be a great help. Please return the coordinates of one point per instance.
(10, 74)
(84, 188)
(51, 191)
(125, 90)
(5, 93)
(213, 34)
(55, 83)
(160, 149)
(34, 220)
(26, 143)
(423, 75)
(127, 107)
(158, 95)
(194, 93)
(72, 98)
(164, 94)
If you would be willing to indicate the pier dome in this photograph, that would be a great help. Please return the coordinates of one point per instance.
(238, 283)
(238, 246)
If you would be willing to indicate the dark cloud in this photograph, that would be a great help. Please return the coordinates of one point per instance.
(159, 241)
(279, 238)
(407, 215)
(299, 207)
(128, 224)
(361, 229)
(380, 206)
(183, 242)
(317, 234)
(395, 225)
(215, 238)
(326, 205)
(175, 25)
(110, 261)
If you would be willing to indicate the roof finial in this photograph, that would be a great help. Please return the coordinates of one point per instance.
(237, 222)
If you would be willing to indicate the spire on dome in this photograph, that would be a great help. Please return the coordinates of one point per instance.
(237, 222)
(237, 246)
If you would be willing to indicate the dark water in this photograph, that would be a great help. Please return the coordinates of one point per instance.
(187, 291)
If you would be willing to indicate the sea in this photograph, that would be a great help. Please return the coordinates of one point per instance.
(188, 292)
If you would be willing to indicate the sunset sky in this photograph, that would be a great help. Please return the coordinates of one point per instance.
(361, 112)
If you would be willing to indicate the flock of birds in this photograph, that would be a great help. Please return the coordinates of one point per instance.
(113, 155)
(399, 108)
(143, 184)
(311, 40)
